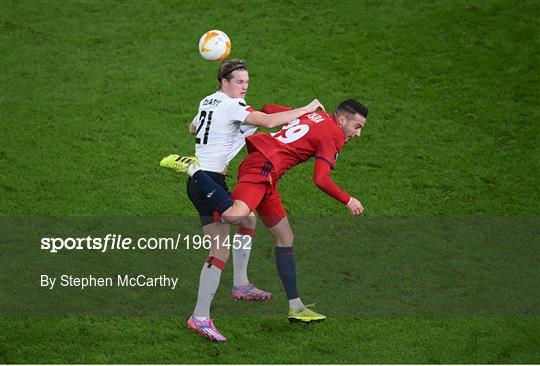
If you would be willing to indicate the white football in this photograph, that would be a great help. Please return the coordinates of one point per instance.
(215, 46)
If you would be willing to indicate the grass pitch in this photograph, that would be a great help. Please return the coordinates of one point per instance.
(270, 340)
(93, 94)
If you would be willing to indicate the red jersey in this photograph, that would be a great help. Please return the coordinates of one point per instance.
(314, 134)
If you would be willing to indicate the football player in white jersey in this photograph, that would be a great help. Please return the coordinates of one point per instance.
(220, 127)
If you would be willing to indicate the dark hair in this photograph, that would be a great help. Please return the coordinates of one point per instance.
(351, 106)
(226, 69)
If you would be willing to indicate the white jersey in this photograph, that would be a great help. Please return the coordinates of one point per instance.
(220, 134)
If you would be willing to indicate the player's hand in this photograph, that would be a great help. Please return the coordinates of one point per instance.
(355, 207)
(313, 106)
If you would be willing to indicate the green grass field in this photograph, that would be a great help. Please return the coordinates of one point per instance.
(93, 94)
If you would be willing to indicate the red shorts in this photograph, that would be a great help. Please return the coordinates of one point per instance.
(257, 188)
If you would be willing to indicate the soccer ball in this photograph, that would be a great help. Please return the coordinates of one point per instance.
(215, 46)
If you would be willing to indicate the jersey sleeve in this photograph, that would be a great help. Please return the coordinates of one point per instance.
(238, 110)
(328, 150)
(274, 108)
(321, 178)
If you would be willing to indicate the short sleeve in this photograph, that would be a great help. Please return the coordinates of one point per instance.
(238, 110)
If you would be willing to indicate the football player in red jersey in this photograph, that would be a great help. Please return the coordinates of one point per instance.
(318, 134)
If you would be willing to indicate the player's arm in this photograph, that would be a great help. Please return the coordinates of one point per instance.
(262, 119)
(321, 178)
(193, 126)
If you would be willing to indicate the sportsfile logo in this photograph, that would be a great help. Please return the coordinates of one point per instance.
(119, 242)
(109, 242)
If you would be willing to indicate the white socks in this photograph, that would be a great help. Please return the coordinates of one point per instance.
(211, 273)
(296, 303)
(241, 250)
(208, 284)
(192, 169)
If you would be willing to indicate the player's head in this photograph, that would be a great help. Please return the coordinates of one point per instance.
(233, 78)
(351, 117)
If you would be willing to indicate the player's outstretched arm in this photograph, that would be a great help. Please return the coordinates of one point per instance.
(261, 119)
(321, 178)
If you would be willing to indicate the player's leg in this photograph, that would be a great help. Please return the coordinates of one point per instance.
(231, 211)
(273, 214)
(209, 279)
(214, 264)
(241, 250)
(242, 289)
(212, 267)
(285, 262)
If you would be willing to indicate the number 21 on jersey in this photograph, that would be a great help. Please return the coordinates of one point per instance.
(291, 132)
(204, 118)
